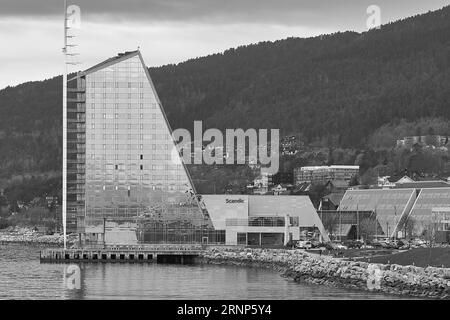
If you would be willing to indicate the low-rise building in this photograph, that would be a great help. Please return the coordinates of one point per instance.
(399, 209)
(323, 174)
(427, 140)
(262, 220)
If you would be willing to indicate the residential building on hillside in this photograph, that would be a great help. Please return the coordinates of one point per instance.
(428, 140)
(323, 174)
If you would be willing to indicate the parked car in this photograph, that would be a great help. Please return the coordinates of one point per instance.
(315, 244)
(326, 246)
(376, 244)
(339, 246)
(304, 245)
(419, 242)
(353, 244)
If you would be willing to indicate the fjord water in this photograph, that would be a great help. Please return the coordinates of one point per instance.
(22, 276)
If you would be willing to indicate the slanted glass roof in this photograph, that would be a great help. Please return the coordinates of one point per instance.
(389, 204)
(429, 199)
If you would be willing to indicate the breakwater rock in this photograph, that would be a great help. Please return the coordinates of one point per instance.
(301, 266)
(29, 236)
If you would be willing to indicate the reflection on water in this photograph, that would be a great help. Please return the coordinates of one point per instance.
(23, 277)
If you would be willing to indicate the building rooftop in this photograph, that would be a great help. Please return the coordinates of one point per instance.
(330, 167)
(120, 57)
(389, 204)
(423, 184)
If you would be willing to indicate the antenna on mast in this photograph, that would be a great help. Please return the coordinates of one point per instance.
(74, 15)
(64, 164)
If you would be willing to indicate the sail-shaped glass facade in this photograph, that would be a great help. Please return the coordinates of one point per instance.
(131, 175)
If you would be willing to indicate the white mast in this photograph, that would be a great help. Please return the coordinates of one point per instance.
(64, 164)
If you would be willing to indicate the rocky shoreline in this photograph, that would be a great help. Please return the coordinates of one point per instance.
(303, 267)
(18, 235)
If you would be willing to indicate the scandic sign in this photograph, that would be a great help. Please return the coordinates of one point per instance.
(234, 201)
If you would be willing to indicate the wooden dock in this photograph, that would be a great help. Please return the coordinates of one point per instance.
(124, 254)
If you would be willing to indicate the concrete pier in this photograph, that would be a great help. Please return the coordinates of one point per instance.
(123, 254)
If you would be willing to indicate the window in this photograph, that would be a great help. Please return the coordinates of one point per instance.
(142, 157)
(142, 167)
(242, 238)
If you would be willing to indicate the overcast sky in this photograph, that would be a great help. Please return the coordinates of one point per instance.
(170, 31)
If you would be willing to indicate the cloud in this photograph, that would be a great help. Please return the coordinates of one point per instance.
(286, 12)
(170, 31)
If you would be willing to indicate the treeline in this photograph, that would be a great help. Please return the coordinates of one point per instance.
(339, 88)
(348, 91)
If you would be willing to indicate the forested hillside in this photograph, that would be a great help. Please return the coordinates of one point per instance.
(339, 88)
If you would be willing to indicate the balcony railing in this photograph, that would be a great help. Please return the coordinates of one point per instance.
(77, 109)
(76, 181)
(76, 150)
(76, 161)
(77, 120)
(80, 140)
(77, 99)
(76, 130)
(77, 90)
